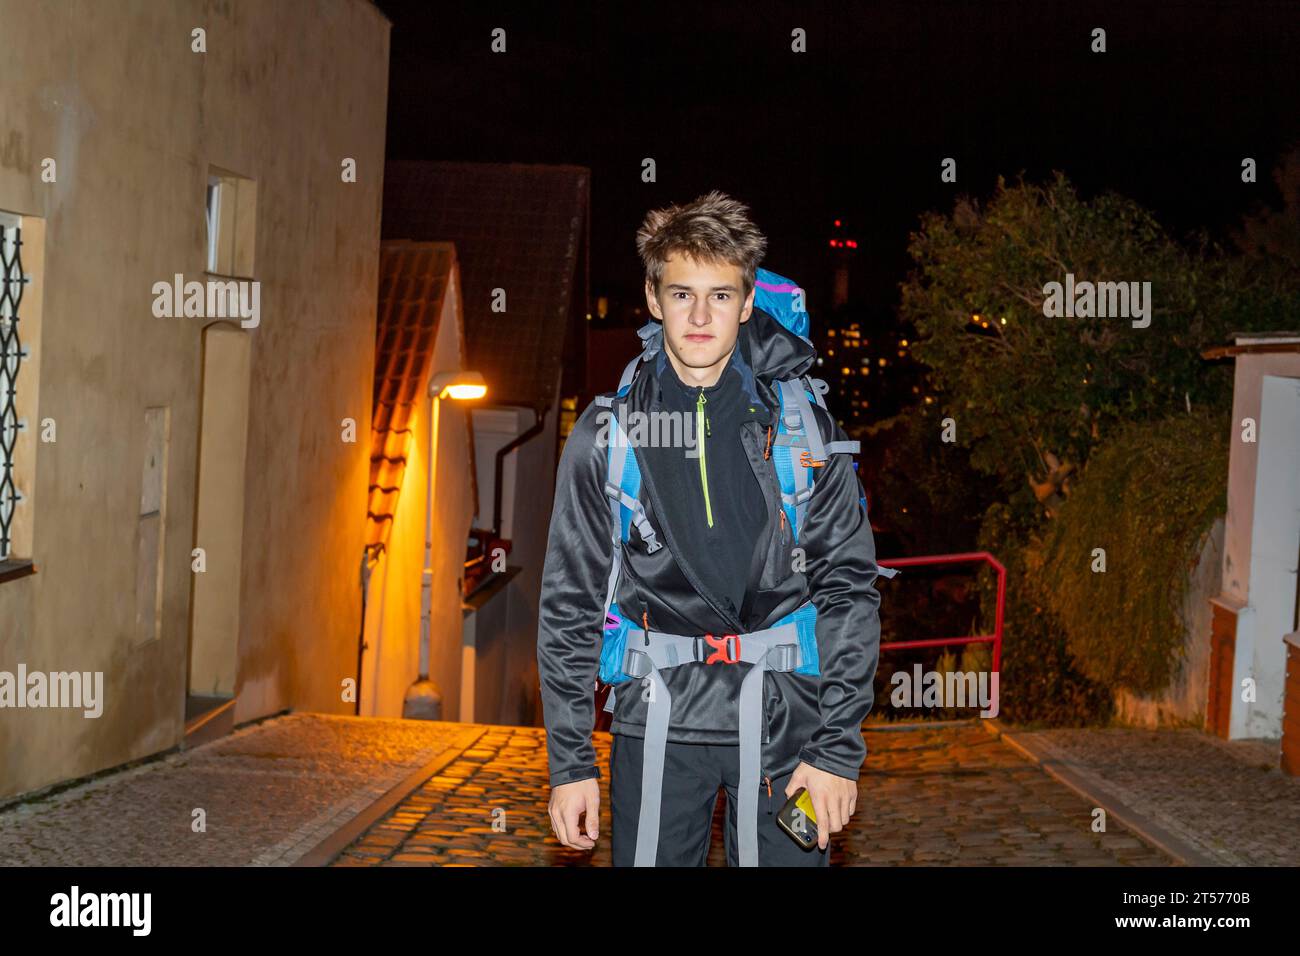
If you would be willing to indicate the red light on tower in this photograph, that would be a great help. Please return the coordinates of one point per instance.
(840, 262)
(842, 243)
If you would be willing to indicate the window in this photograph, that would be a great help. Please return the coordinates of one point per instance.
(22, 264)
(11, 359)
(232, 221)
(214, 220)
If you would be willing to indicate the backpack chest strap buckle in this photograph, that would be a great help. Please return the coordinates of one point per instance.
(726, 649)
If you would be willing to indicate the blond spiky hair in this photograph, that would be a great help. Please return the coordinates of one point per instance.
(714, 228)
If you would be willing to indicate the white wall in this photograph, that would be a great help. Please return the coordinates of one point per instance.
(1262, 534)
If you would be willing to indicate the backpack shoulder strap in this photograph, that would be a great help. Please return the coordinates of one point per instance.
(797, 428)
(794, 477)
(818, 387)
(622, 486)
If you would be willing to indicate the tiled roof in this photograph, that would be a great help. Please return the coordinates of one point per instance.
(517, 227)
(414, 278)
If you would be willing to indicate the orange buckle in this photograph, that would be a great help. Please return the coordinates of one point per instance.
(805, 459)
(720, 656)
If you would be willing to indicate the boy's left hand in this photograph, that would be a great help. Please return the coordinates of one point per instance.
(834, 798)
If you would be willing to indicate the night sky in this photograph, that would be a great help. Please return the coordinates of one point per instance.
(856, 127)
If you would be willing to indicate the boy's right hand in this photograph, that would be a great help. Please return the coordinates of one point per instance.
(568, 802)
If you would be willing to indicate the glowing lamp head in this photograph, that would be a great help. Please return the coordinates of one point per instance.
(458, 385)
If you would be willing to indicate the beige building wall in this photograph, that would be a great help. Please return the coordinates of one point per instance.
(134, 120)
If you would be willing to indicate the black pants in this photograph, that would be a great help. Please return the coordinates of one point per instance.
(692, 775)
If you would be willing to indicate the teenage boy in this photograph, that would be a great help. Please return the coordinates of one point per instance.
(721, 568)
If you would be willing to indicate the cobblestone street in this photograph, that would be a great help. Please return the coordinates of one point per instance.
(948, 795)
(311, 789)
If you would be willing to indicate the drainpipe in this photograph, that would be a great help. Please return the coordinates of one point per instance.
(533, 431)
(367, 565)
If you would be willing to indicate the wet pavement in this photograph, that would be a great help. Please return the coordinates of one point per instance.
(313, 789)
(951, 794)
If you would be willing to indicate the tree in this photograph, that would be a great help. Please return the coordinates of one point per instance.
(1031, 395)
(1274, 234)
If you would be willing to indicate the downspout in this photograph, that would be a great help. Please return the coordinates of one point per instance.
(505, 449)
(366, 566)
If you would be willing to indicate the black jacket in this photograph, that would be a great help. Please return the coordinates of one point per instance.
(814, 719)
(719, 484)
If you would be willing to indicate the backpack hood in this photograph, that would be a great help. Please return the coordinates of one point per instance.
(773, 351)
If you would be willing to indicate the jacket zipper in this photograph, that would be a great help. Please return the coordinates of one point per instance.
(702, 429)
(768, 780)
(705, 595)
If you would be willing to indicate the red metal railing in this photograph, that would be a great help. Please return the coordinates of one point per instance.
(968, 558)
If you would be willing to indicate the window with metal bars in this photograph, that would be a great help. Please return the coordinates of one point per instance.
(12, 281)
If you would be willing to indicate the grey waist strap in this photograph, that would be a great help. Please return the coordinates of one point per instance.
(775, 648)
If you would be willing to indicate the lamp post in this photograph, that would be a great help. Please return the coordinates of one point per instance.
(423, 699)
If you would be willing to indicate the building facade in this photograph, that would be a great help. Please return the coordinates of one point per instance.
(197, 189)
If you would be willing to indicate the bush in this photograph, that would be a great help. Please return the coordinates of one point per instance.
(1039, 683)
(1147, 497)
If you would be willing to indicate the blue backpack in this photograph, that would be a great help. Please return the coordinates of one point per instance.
(783, 300)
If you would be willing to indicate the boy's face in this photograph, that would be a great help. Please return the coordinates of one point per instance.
(701, 308)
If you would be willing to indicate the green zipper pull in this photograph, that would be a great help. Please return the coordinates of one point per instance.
(701, 429)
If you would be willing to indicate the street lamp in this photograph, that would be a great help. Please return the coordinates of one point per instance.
(423, 699)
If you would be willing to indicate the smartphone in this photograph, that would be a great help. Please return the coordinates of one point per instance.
(797, 819)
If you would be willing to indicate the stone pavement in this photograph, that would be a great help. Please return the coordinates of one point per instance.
(1219, 802)
(310, 789)
(943, 794)
(269, 792)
